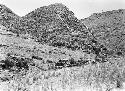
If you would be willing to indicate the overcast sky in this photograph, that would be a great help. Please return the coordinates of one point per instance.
(81, 8)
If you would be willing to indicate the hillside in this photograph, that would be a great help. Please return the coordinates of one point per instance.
(23, 57)
(57, 26)
(54, 25)
(49, 49)
(108, 28)
(7, 17)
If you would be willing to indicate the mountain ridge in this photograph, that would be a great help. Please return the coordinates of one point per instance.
(50, 49)
(55, 25)
(107, 26)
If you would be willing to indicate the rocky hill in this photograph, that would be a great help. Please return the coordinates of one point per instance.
(7, 17)
(54, 25)
(108, 28)
(49, 49)
(25, 38)
(21, 54)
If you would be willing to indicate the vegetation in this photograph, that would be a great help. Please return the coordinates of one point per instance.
(54, 25)
(15, 63)
(108, 28)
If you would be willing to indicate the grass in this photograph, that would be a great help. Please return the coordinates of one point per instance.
(110, 75)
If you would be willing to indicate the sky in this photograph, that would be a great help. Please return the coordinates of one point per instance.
(81, 8)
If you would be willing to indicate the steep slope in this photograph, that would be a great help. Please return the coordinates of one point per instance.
(20, 56)
(108, 28)
(7, 17)
(56, 51)
(53, 17)
(69, 34)
(14, 50)
(63, 31)
(55, 25)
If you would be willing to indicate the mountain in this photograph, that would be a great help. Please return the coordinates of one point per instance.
(54, 25)
(63, 31)
(7, 17)
(35, 29)
(109, 29)
(49, 49)
(21, 57)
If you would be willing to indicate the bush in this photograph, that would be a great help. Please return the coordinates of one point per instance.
(14, 64)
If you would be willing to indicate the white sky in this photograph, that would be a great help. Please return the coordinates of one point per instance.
(81, 8)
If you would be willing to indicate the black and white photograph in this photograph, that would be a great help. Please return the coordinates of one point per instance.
(62, 45)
